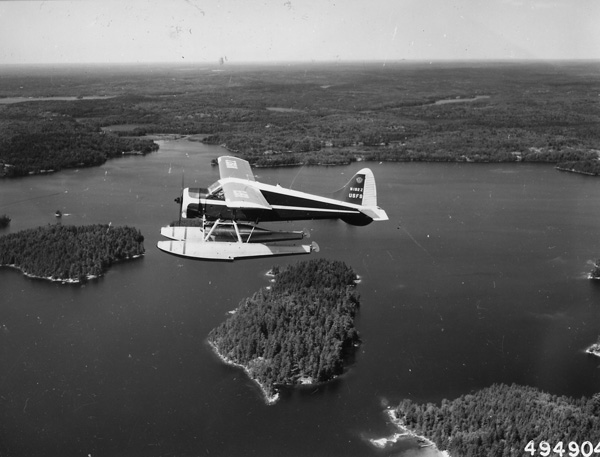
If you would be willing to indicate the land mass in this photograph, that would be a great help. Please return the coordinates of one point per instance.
(306, 114)
(501, 420)
(298, 331)
(69, 253)
(594, 349)
(4, 221)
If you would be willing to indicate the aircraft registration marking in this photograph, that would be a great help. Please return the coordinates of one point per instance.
(231, 164)
(241, 194)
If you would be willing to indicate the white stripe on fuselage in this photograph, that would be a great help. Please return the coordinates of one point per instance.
(283, 207)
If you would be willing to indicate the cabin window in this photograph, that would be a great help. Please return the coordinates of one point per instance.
(215, 192)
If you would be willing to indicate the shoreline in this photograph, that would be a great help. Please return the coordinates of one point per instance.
(66, 280)
(270, 399)
(302, 381)
(594, 349)
(572, 170)
(403, 432)
(166, 137)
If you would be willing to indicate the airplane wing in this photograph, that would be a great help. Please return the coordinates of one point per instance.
(237, 180)
(242, 194)
(232, 167)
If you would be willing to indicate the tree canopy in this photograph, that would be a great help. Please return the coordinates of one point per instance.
(297, 331)
(500, 420)
(68, 252)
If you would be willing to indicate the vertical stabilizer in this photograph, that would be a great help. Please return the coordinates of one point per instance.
(360, 190)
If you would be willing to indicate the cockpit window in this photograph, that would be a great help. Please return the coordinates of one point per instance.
(215, 192)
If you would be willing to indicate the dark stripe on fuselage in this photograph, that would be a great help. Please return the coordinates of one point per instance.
(221, 211)
(281, 199)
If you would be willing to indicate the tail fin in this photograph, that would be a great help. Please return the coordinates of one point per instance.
(361, 190)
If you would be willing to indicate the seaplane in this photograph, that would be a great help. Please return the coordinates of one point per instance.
(221, 222)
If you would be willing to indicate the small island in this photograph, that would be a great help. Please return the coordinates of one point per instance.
(69, 253)
(594, 349)
(498, 420)
(4, 221)
(298, 331)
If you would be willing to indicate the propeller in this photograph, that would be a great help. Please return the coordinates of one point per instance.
(180, 199)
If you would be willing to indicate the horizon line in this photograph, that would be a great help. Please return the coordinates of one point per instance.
(305, 62)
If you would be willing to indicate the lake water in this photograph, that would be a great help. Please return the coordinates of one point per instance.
(478, 277)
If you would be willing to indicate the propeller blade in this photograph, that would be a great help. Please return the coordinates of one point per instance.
(181, 198)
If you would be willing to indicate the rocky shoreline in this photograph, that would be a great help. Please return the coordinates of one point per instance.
(594, 349)
(270, 398)
(404, 433)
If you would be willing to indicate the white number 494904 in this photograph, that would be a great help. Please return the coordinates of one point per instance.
(574, 449)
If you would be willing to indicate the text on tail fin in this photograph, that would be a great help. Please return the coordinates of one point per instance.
(354, 190)
(360, 190)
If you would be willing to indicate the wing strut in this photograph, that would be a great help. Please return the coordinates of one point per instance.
(212, 229)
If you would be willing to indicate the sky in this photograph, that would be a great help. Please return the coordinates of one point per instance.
(140, 31)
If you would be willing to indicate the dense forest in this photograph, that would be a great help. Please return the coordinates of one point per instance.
(69, 253)
(501, 420)
(315, 113)
(587, 167)
(301, 330)
(39, 145)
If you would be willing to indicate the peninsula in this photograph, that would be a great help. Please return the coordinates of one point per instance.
(298, 331)
(69, 253)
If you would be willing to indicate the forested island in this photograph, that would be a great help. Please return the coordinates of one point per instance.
(69, 253)
(299, 331)
(4, 221)
(501, 420)
(306, 114)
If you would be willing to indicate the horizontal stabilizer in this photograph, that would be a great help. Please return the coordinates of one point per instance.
(375, 213)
